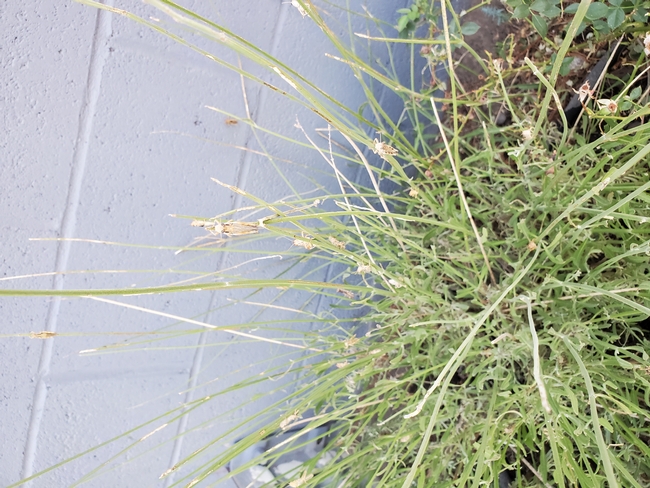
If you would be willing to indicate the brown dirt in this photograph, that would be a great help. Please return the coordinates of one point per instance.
(470, 73)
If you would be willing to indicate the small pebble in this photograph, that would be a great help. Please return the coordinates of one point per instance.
(502, 118)
(576, 64)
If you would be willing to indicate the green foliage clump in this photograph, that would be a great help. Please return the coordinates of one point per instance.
(613, 16)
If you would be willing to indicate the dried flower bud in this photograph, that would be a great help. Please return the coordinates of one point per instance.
(584, 92)
(363, 269)
(610, 105)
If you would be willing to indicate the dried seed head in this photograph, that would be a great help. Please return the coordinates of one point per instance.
(498, 65)
(228, 228)
(307, 244)
(350, 342)
(238, 228)
(335, 242)
(532, 246)
(201, 223)
(45, 334)
(413, 192)
(290, 419)
(346, 293)
(302, 480)
(383, 149)
(395, 283)
(350, 384)
(646, 44)
(363, 269)
(303, 12)
(527, 134)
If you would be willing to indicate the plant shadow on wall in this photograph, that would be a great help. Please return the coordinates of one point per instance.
(506, 284)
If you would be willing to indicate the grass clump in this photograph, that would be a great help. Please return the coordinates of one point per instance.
(503, 284)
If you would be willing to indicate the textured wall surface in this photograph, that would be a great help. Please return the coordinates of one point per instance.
(106, 133)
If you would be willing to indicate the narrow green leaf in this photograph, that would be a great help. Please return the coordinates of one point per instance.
(401, 23)
(605, 423)
(540, 25)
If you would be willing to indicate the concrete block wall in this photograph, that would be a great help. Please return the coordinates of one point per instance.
(106, 133)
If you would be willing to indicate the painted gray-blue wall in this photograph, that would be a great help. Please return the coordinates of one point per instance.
(106, 133)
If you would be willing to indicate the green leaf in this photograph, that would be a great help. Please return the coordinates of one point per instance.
(572, 9)
(636, 93)
(615, 17)
(540, 5)
(551, 12)
(597, 10)
(470, 28)
(566, 66)
(413, 16)
(601, 26)
(426, 240)
(616, 3)
(521, 12)
(401, 23)
(540, 25)
(640, 15)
